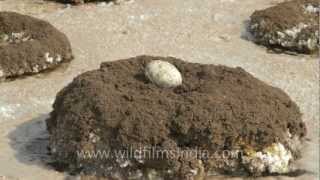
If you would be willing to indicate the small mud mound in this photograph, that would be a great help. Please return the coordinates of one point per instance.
(291, 25)
(29, 46)
(216, 109)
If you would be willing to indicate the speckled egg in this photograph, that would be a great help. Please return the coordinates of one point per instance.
(163, 74)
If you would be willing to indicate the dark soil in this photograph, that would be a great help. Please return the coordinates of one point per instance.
(19, 58)
(265, 24)
(217, 108)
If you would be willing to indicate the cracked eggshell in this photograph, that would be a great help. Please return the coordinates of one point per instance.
(163, 74)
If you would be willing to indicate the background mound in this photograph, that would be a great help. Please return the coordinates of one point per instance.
(291, 25)
(29, 45)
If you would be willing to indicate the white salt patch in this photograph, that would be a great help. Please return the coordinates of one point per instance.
(4, 37)
(281, 34)
(141, 161)
(125, 164)
(94, 138)
(254, 26)
(102, 4)
(311, 43)
(139, 18)
(311, 9)
(59, 58)
(143, 17)
(35, 68)
(26, 39)
(17, 35)
(131, 17)
(48, 58)
(194, 171)
(190, 9)
(278, 161)
(130, 1)
(136, 175)
(293, 32)
(274, 159)
(8, 111)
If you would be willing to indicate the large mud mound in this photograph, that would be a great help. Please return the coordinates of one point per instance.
(29, 46)
(216, 108)
(291, 25)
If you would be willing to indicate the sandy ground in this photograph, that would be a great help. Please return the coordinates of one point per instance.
(206, 31)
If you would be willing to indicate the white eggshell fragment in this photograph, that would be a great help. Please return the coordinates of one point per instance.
(163, 74)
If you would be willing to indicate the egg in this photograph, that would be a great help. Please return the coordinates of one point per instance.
(163, 74)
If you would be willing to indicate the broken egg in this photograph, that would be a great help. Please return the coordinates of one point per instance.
(163, 74)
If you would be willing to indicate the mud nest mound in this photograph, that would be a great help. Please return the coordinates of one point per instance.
(291, 25)
(29, 46)
(216, 109)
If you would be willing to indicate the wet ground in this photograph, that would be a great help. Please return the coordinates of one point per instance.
(207, 31)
